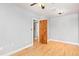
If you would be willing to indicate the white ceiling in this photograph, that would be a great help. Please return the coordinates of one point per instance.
(51, 9)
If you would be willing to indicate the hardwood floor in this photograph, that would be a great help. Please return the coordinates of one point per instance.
(52, 48)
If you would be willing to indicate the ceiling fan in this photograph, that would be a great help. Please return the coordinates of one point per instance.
(42, 6)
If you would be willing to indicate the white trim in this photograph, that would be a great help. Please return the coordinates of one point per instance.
(64, 42)
(38, 30)
(32, 30)
(10, 53)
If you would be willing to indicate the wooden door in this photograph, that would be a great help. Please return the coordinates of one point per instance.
(43, 31)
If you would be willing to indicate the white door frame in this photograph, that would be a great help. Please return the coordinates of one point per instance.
(33, 30)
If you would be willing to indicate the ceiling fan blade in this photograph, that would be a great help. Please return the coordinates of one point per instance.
(33, 4)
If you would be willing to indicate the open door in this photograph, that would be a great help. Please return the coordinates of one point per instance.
(43, 31)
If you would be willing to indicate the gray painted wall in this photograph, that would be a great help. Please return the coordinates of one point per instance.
(64, 28)
(16, 24)
(15, 27)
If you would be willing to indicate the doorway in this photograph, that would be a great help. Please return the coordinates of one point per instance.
(40, 31)
(35, 31)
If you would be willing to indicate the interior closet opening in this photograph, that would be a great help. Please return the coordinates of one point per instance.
(35, 31)
(40, 31)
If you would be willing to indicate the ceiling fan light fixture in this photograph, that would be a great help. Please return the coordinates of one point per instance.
(60, 11)
(42, 6)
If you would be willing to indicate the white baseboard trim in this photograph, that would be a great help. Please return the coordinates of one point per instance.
(10, 53)
(64, 42)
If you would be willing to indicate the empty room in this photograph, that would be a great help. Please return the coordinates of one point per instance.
(39, 29)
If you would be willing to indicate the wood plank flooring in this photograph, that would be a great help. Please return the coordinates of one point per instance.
(52, 48)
